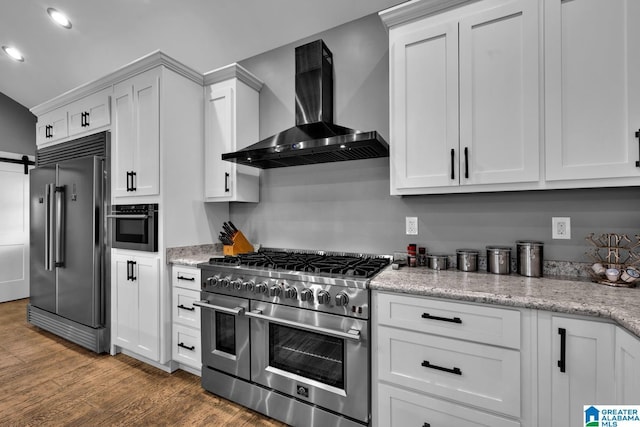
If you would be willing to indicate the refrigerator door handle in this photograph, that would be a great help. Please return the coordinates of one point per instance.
(59, 231)
(48, 226)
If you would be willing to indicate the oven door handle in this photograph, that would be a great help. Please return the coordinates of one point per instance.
(351, 334)
(238, 311)
(128, 216)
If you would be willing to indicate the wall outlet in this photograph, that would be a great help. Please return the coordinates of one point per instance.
(412, 225)
(561, 227)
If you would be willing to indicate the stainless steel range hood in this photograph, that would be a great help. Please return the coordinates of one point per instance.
(315, 138)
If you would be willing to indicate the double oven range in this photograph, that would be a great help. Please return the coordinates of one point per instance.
(286, 333)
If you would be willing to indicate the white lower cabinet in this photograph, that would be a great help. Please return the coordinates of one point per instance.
(627, 355)
(443, 363)
(576, 367)
(186, 348)
(136, 303)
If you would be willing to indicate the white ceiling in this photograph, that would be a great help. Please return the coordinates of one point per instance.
(107, 34)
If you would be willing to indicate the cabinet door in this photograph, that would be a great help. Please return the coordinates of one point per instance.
(52, 126)
(90, 113)
(499, 99)
(588, 376)
(424, 108)
(125, 322)
(136, 129)
(219, 122)
(592, 58)
(627, 368)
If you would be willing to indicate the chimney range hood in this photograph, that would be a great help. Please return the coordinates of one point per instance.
(315, 138)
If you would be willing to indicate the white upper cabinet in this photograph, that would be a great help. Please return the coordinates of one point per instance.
(231, 123)
(465, 99)
(136, 135)
(592, 90)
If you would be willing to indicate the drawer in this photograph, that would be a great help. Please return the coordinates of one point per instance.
(186, 346)
(184, 312)
(487, 325)
(400, 408)
(475, 374)
(186, 277)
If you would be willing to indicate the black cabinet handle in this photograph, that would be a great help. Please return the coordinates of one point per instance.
(48, 131)
(191, 279)
(563, 349)
(453, 164)
(466, 162)
(426, 425)
(226, 182)
(455, 370)
(192, 348)
(84, 119)
(131, 271)
(131, 181)
(186, 308)
(638, 136)
(443, 319)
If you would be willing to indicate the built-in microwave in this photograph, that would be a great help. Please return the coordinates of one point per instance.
(135, 227)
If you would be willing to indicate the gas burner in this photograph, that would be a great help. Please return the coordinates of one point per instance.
(332, 265)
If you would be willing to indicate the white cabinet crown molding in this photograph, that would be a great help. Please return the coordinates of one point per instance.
(417, 9)
(138, 66)
(230, 71)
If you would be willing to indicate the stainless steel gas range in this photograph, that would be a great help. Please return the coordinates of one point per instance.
(286, 333)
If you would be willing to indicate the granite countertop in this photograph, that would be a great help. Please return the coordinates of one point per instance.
(545, 293)
(193, 255)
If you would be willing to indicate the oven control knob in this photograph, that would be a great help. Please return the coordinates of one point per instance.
(224, 283)
(213, 281)
(342, 299)
(290, 292)
(324, 297)
(306, 295)
(261, 288)
(250, 285)
(275, 291)
(237, 284)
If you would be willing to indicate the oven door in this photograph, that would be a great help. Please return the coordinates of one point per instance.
(225, 334)
(317, 357)
(134, 228)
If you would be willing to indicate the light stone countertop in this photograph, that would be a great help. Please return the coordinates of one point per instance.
(619, 304)
(193, 255)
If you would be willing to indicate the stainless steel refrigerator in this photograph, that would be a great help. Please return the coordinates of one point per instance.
(68, 284)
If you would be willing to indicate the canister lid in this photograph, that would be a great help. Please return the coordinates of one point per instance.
(529, 243)
(437, 256)
(498, 249)
(467, 251)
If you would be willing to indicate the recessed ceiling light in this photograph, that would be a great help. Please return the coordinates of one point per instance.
(13, 53)
(59, 18)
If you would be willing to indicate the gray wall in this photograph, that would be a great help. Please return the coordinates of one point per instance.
(346, 206)
(17, 127)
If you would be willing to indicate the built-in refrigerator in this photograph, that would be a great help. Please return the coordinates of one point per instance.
(69, 242)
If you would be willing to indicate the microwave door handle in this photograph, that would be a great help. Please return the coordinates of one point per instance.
(351, 334)
(48, 227)
(238, 311)
(128, 216)
(59, 231)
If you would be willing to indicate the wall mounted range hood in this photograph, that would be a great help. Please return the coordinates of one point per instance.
(315, 138)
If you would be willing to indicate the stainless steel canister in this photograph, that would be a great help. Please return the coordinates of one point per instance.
(437, 261)
(499, 259)
(529, 258)
(467, 259)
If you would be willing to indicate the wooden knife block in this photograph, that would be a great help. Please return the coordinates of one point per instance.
(240, 245)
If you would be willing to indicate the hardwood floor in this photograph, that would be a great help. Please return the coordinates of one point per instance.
(48, 381)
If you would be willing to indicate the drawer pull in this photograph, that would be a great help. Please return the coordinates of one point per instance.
(186, 308)
(191, 279)
(444, 319)
(455, 370)
(192, 348)
(426, 425)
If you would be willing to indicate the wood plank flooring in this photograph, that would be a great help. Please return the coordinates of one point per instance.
(48, 381)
